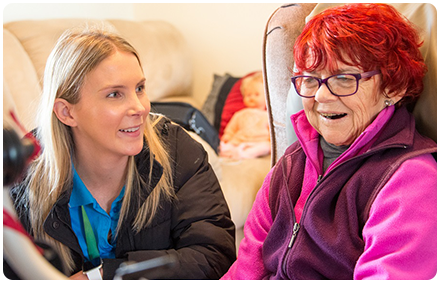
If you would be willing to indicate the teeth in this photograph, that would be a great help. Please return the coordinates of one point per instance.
(130, 130)
(332, 115)
(328, 115)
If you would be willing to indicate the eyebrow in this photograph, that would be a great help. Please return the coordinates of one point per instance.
(336, 72)
(348, 70)
(141, 82)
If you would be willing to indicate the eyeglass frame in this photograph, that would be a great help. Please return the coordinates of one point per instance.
(324, 81)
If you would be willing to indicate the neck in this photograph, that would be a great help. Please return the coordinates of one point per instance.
(104, 178)
(331, 152)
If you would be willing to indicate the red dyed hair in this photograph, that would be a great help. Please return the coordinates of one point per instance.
(370, 37)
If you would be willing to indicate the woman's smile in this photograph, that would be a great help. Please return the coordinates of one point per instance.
(332, 116)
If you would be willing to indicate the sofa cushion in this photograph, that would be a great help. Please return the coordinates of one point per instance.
(39, 37)
(19, 77)
(213, 106)
(240, 183)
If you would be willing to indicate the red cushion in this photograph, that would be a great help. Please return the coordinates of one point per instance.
(233, 103)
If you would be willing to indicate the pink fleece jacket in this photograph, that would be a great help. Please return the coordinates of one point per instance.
(400, 234)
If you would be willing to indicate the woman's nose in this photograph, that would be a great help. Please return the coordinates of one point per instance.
(139, 105)
(324, 95)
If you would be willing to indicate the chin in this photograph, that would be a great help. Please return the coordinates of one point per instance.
(133, 151)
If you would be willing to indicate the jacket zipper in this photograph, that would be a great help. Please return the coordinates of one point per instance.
(296, 226)
(317, 182)
(294, 233)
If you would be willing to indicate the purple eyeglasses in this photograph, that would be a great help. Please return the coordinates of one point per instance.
(339, 85)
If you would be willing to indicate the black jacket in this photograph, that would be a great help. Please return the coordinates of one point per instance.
(196, 227)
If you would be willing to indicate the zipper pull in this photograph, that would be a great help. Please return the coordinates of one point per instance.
(319, 179)
(294, 232)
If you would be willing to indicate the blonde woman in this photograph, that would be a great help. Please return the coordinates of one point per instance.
(141, 184)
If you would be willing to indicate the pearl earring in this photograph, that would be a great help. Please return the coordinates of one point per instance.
(389, 102)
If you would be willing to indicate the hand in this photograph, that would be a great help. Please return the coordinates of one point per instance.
(253, 150)
(79, 276)
(226, 150)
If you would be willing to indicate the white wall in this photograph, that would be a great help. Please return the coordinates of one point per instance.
(35, 11)
(223, 38)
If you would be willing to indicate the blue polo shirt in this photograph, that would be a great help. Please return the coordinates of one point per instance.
(101, 222)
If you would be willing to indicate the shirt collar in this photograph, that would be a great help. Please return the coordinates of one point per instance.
(80, 194)
(309, 137)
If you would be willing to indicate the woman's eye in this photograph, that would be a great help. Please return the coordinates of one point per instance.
(113, 94)
(140, 88)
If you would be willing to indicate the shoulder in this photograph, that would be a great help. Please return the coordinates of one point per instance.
(289, 167)
(421, 170)
(415, 181)
(186, 154)
(409, 196)
(20, 200)
(176, 138)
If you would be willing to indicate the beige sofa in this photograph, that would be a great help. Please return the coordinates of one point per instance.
(167, 65)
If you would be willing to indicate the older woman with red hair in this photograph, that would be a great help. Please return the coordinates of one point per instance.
(355, 196)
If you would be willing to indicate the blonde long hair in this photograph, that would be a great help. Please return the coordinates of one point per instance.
(50, 175)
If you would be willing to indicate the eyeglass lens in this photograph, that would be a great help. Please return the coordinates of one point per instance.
(344, 84)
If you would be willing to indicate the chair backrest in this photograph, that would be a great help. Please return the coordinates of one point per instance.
(282, 29)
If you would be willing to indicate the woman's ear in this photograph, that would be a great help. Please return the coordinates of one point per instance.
(396, 97)
(62, 110)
